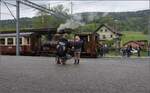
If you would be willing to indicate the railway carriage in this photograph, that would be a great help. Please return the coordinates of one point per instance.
(8, 43)
(44, 41)
(31, 41)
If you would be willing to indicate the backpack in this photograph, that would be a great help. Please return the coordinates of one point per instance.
(61, 49)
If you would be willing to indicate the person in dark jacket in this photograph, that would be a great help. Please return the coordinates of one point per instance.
(101, 50)
(124, 51)
(138, 51)
(128, 51)
(62, 47)
(77, 49)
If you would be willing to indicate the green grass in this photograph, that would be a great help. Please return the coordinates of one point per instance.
(130, 36)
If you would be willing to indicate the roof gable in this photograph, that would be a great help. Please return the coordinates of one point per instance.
(109, 28)
(135, 42)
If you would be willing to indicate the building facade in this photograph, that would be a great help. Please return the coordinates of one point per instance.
(107, 33)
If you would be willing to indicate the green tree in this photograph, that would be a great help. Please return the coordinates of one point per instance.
(88, 28)
(46, 20)
(61, 12)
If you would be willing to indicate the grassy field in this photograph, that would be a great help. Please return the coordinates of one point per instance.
(129, 36)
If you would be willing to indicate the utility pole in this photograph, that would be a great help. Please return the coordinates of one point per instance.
(17, 27)
(71, 10)
(148, 48)
(0, 11)
(71, 7)
(0, 22)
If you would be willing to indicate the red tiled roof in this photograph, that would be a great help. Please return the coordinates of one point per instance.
(136, 42)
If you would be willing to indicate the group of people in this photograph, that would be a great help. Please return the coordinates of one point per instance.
(127, 51)
(103, 49)
(63, 49)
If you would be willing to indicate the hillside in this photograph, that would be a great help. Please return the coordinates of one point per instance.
(11, 24)
(125, 21)
(131, 36)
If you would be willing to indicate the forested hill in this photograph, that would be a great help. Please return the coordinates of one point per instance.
(126, 21)
(11, 24)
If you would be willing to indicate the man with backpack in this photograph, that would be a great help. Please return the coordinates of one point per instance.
(61, 49)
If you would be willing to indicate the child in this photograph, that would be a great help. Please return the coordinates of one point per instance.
(77, 49)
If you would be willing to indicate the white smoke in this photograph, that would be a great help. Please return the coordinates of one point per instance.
(77, 17)
(75, 22)
(70, 24)
(105, 14)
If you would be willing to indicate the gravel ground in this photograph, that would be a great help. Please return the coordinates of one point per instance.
(101, 75)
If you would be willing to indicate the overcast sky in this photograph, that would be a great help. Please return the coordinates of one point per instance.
(79, 6)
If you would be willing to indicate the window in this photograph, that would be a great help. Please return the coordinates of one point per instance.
(111, 36)
(104, 37)
(105, 30)
(28, 40)
(10, 41)
(2, 41)
(20, 40)
(101, 30)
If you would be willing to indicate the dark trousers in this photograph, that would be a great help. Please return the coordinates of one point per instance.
(139, 54)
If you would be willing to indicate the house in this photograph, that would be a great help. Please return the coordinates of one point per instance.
(107, 33)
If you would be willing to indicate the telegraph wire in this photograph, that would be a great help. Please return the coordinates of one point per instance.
(9, 3)
(9, 10)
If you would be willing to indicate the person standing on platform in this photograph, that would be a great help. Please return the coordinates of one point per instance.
(128, 50)
(61, 48)
(77, 49)
(139, 51)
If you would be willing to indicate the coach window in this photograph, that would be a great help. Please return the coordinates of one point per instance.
(10, 41)
(28, 40)
(2, 41)
(20, 41)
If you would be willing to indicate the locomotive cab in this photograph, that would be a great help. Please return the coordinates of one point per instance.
(90, 45)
